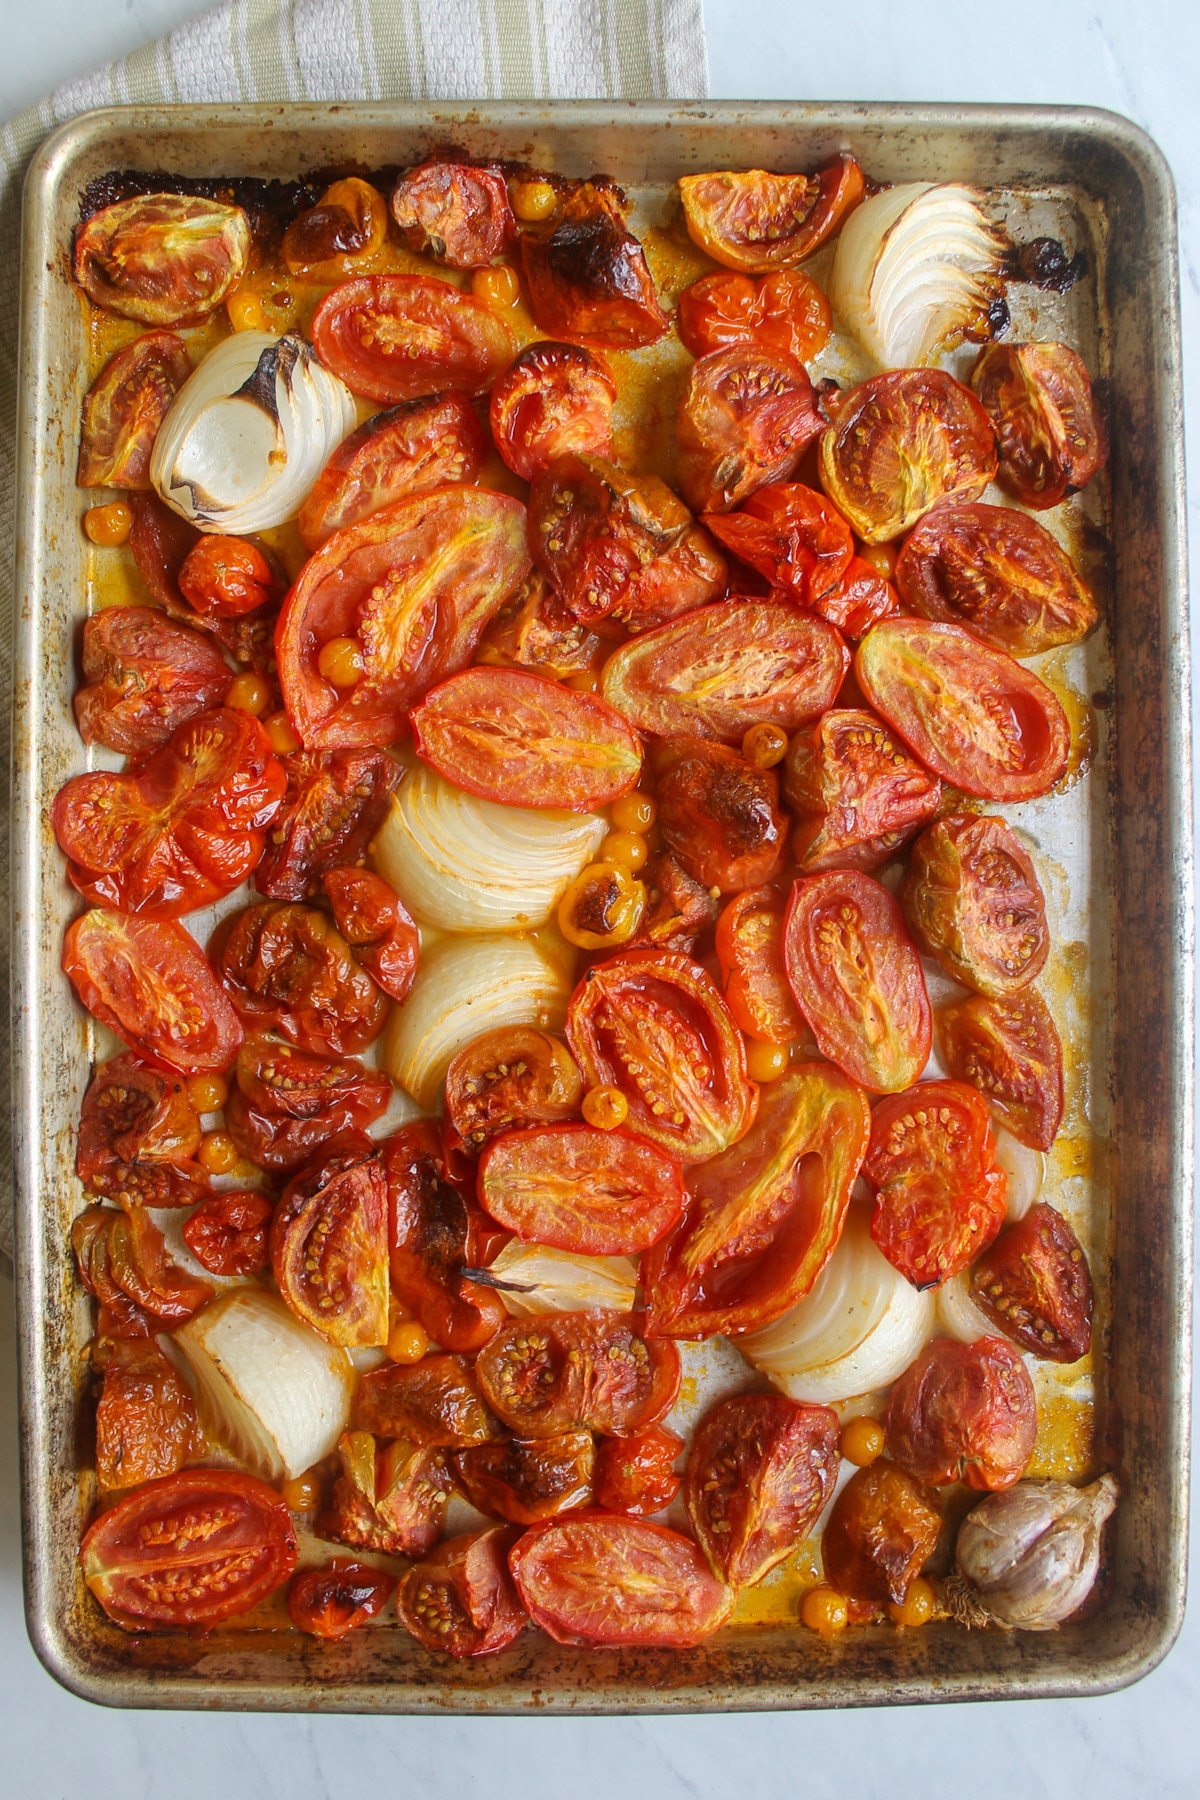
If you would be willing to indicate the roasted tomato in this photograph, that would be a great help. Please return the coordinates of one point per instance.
(512, 1076)
(228, 1233)
(435, 1401)
(401, 337)
(595, 1578)
(655, 1025)
(764, 1217)
(880, 1534)
(461, 1599)
(973, 715)
(124, 408)
(389, 1497)
(792, 536)
(746, 418)
(433, 1229)
(161, 542)
(329, 1602)
(1035, 1283)
(554, 400)
(410, 449)
(679, 910)
(900, 443)
(330, 239)
(857, 978)
(288, 1102)
(997, 571)
(858, 792)
(602, 908)
(719, 670)
(144, 676)
(515, 737)
(189, 1550)
(636, 1475)
(759, 1475)
(526, 1480)
(939, 1196)
(162, 258)
(138, 1137)
(719, 816)
(149, 981)
(587, 273)
(375, 923)
(146, 1424)
(1010, 1050)
(757, 221)
(123, 1261)
(861, 598)
(578, 1371)
(963, 1412)
(534, 630)
(595, 1193)
(1039, 400)
(974, 901)
(329, 1244)
(288, 969)
(749, 946)
(413, 586)
(227, 577)
(333, 806)
(455, 212)
(785, 313)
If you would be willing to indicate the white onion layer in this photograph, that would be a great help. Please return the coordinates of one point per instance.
(560, 1281)
(957, 1314)
(1025, 1168)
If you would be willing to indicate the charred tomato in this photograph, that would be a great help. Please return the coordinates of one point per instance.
(963, 1412)
(679, 910)
(527, 1480)
(720, 816)
(587, 273)
(533, 629)
(144, 676)
(1035, 1283)
(973, 899)
(553, 400)
(1010, 1050)
(458, 213)
(329, 240)
(1039, 400)
(760, 1473)
(858, 792)
(577, 1371)
(162, 258)
(329, 1602)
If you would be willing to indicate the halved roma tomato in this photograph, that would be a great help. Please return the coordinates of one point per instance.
(654, 1024)
(974, 901)
(456, 212)
(124, 408)
(939, 1196)
(596, 1193)
(882, 1531)
(719, 815)
(329, 1244)
(860, 599)
(435, 1401)
(857, 978)
(286, 968)
(375, 923)
(587, 273)
(149, 981)
(400, 337)
(746, 418)
(228, 1233)
(901, 442)
(333, 806)
(756, 221)
(786, 312)
(162, 258)
(138, 1137)
(123, 1261)
(1034, 1281)
(719, 670)
(578, 1371)
(749, 946)
(512, 1076)
(389, 1497)
(963, 1412)
(533, 629)
(189, 1550)
(554, 400)
(997, 571)
(144, 675)
(329, 1602)
(328, 240)
(1039, 400)
(288, 1102)
(858, 792)
(433, 1233)
(595, 1578)
(973, 715)
(146, 1424)
(414, 585)
(526, 1480)
(760, 1473)
(512, 736)
(409, 449)
(461, 1598)
(790, 534)
(1010, 1050)
(765, 1216)
(637, 1474)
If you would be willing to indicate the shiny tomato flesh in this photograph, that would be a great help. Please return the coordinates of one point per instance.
(636, 1475)
(149, 981)
(1034, 1282)
(790, 534)
(375, 923)
(578, 1371)
(1010, 1050)
(760, 1472)
(288, 1102)
(145, 675)
(329, 1244)
(162, 258)
(228, 1233)
(974, 901)
(409, 449)
(595, 1193)
(332, 807)
(718, 814)
(287, 969)
(433, 1233)
(508, 1078)
(859, 794)
(328, 1603)
(401, 337)
(122, 1259)
(749, 947)
(1039, 399)
(455, 212)
(745, 419)
(756, 221)
(138, 1137)
(461, 1600)
(881, 1532)
(527, 1480)
(785, 312)
(963, 1412)
(553, 400)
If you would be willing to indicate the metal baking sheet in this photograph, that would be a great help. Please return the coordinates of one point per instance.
(1115, 850)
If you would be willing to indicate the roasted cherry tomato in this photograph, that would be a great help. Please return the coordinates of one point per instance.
(757, 221)
(333, 806)
(400, 337)
(288, 1102)
(857, 978)
(749, 946)
(679, 910)
(144, 676)
(718, 815)
(389, 1497)
(409, 449)
(329, 1602)
(973, 715)
(162, 258)
(532, 629)
(786, 313)
(587, 273)
(511, 1076)
(457, 213)
(526, 1480)
(745, 420)
(939, 1196)
(595, 1193)
(227, 1234)
(413, 585)
(882, 1531)
(578, 1371)
(759, 1475)
(790, 534)
(858, 792)
(161, 542)
(636, 1475)
(900, 443)
(719, 670)
(1010, 1050)
(861, 598)
(1034, 1282)
(963, 1412)
(287, 968)
(226, 577)
(433, 1233)
(138, 1137)
(146, 1424)
(434, 1401)
(461, 1599)
(375, 923)
(329, 1244)
(998, 571)
(554, 400)
(124, 408)
(603, 907)
(123, 1261)
(515, 737)
(764, 1217)
(149, 981)
(330, 239)
(595, 1578)
(1039, 400)
(973, 899)
(655, 1025)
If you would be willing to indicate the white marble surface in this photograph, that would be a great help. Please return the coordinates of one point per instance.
(1139, 57)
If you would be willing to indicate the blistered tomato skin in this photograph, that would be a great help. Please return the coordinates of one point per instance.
(146, 1424)
(332, 807)
(375, 923)
(433, 1401)
(402, 337)
(858, 792)
(527, 1480)
(791, 535)
(963, 1412)
(328, 1603)
(881, 1532)
(760, 1473)
(138, 1137)
(1034, 1282)
(636, 1475)
(587, 274)
(434, 1231)
(287, 969)
(974, 901)
(122, 1259)
(327, 241)
(719, 816)
(288, 1102)
(745, 420)
(1039, 399)
(1010, 1050)
(785, 312)
(755, 221)
(227, 1234)
(162, 258)
(553, 400)
(455, 212)
(124, 408)
(409, 449)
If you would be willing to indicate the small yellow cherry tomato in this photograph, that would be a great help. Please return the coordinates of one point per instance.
(861, 1441)
(340, 662)
(302, 1493)
(407, 1342)
(207, 1093)
(108, 525)
(626, 847)
(499, 287)
(765, 1062)
(533, 200)
(824, 1610)
(602, 907)
(918, 1605)
(279, 730)
(634, 812)
(882, 558)
(217, 1153)
(249, 693)
(764, 745)
(604, 1108)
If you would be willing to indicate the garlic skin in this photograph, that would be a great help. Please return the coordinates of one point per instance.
(1033, 1551)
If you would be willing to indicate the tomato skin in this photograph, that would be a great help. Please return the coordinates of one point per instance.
(389, 1497)
(861, 598)
(745, 420)
(593, 1192)
(790, 534)
(227, 577)
(511, 1077)
(636, 1475)
(409, 449)
(749, 946)
(286, 968)
(974, 901)
(1034, 1282)
(882, 1530)
(146, 1424)
(760, 1473)
(756, 221)
(433, 1230)
(329, 1602)
(334, 1215)
(461, 1600)
(679, 909)
(160, 542)
(785, 312)
(577, 1371)
(288, 1102)
(532, 629)
(325, 241)
(455, 212)
(162, 258)
(435, 1401)
(587, 273)
(1039, 399)
(595, 1578)
(845, 948)
(144, 675)
(138, 1137)
(402, 337)
(963, 1412)
(123, 1261)
(331, 809)
(553, 400)
(228, 1233)
(859, 794)
(1010, 1050)
(765, 1216)
(719, 816)
(375, 923)
(528, 1480)
(124, 407)
(971, 714)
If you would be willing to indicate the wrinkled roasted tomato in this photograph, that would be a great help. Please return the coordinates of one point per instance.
(286, 968)
(857, 791)
(1010, 1050)
(461, 1599)
(595, 1193)
(435, 1401)
(577, 1371)
(719, 816)
(973, 899)
(756, 221)
(785, 313)
(189, 1550)
(228, 1233)
(745, 420)
(161, 542)
(861, 598)
(636, 1475)
(1034, 1282)
(900, 443)
(602, 908)
(375, 923)
(124, 408)
(288, 1102)
(227, 577)
(348, 223)
(963, 1412)
(409, 449)
(749, 946)
(457, 213)
(857, 978)
(123, 1261)
(144, 676)
(138, 1137)
(587, 273)
(512, 1076)
(532, 629)
(554, 400)
(401, 337)
(527, 1480)
(329, 1244)
(162, 258)
(329, 1602)
(146, 1423)
(1039, 400)
(790, 534)
(882, 1530)
(333, 805)
(432, 1229)
(389, 1497)
(759, 1475)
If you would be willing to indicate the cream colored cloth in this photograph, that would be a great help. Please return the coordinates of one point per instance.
(330, 50)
